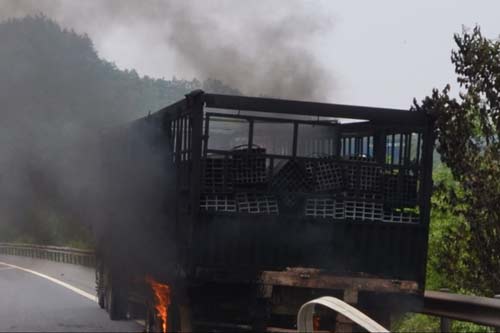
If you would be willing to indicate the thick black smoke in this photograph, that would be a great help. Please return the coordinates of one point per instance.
(53, 114)
(260, 48)
(56, 98)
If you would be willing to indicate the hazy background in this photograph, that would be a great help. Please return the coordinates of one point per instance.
(380, 53)
(259, 48)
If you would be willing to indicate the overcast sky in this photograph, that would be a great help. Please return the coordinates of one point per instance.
(380, 53)
(387, 52)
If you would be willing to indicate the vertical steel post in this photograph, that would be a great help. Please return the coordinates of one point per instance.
(426, 190)
(344, 324)
(295, 139)
(497, 329)
(250, 134)
(445, 323)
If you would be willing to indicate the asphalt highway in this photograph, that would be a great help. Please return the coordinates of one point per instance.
(30, 302)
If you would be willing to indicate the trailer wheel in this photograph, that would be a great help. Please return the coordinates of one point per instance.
(116, 304)
(101, 299)
(100, 287)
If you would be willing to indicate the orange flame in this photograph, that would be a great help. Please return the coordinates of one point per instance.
(162, 300)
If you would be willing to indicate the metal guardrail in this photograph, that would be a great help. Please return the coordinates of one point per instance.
(54, 253)
(475, 309)
(448, 306)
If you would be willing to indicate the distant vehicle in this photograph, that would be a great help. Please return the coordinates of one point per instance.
(229, 212)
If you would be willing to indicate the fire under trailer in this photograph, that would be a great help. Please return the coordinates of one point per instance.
(254, 206)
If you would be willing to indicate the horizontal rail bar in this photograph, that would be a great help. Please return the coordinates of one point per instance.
(53, 253)
(314, 109)
(337, 159)
(366, 127)
(332, 123)
(475, 309)
(172, 111)
(50, 247)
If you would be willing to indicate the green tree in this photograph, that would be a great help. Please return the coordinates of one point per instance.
(449, 257)
(468, 141)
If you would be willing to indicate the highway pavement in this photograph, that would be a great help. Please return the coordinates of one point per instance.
(51, 297)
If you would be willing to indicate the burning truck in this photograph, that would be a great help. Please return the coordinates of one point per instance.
(227, 213)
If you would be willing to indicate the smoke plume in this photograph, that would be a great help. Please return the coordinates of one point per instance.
(52, 114)
(260, 48)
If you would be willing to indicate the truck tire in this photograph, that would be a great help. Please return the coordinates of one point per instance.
(100, 287)
(101, 299)
(116, 304)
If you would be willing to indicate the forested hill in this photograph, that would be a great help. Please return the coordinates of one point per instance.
(44, 66)
(56, 95)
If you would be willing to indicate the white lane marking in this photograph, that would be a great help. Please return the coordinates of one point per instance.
(56, 281)
(141, 322)
(59, 282)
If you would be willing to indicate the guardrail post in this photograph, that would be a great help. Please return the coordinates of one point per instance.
(445, 323)
(497, 329)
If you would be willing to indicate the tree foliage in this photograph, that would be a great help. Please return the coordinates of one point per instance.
(468, 129)
(448, 263)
